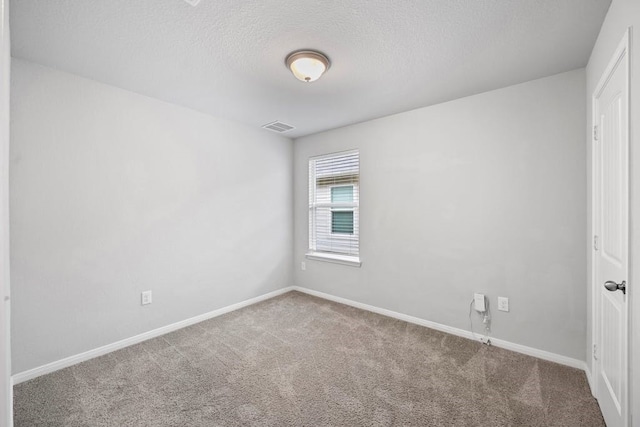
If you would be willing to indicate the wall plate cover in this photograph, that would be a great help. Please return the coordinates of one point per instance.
(146, 298)
(503, 303)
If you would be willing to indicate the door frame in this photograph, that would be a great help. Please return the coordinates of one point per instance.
(6, 394)
(622, 49)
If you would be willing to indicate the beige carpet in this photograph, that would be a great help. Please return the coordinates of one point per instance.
(296, 360)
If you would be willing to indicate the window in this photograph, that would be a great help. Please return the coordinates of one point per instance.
(342, 218)
(334, 182)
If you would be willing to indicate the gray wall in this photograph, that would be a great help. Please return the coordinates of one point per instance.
(5, 360)
(482, 194)
(622, 15)
(113, 193)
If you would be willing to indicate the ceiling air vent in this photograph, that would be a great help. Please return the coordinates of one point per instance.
(278, 127)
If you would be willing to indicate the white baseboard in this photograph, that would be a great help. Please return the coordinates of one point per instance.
(588, 373)
(100, 351)
(530, 351)
(10, 415)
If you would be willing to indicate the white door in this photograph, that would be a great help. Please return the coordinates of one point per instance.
(611, 245)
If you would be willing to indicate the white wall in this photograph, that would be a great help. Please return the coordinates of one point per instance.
(622, 15)
(5, 352)
(482, 194)
(113, 193)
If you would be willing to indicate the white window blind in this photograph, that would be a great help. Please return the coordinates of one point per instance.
(334, 184)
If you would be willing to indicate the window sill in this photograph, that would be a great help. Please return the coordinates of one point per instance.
(352, 261)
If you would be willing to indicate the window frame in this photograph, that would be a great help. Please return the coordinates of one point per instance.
(354, 206)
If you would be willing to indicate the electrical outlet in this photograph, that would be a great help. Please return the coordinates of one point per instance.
(146, 297)
(503, 303)
(303, 266)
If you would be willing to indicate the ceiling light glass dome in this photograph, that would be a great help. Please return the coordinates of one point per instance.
(307, 65)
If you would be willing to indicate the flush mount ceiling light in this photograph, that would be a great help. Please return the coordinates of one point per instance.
(307, 65)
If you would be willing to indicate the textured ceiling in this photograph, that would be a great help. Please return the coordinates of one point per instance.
(226, 57)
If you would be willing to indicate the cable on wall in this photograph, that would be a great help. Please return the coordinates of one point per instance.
(486, 320)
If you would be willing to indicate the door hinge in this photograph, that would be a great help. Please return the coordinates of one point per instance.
(595, 133)
(595, 243)
(595, 351)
